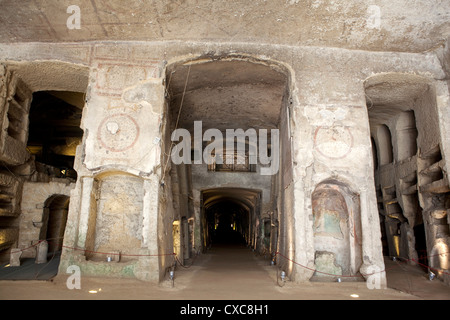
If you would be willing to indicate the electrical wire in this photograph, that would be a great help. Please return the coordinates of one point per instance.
(178, 119)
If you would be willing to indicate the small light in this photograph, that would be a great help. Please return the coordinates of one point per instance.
(171, 274)
(95, 291)
(354, 295)
(339, 280)
(431, 275)
(283, 275)
(8, 265)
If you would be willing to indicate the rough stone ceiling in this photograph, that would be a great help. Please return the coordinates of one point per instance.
(244, 197)
(401, 25)
(390, 94)
(226, 95)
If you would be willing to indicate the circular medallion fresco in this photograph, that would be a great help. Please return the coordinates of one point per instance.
(118, 132)
(334, 142)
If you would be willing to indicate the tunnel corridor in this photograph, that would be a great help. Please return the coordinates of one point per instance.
(229, 215)
(226, 223)
(227, 119)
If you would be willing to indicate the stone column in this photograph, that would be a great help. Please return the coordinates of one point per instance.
(332, 141)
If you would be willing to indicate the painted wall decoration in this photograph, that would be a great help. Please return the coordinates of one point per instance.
(336, 229)
(334, 142)
(118, 132)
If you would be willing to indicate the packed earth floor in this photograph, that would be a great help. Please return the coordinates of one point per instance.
(230, 272)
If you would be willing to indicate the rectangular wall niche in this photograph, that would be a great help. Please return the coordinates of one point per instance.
(117, 218)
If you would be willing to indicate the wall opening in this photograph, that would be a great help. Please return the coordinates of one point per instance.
(415, 185)
(209, 97)
(230, 216)
(54, 222)
(421, 245)
(43, 102)
(54, 131)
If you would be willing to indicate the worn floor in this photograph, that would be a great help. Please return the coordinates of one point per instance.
(230, 272)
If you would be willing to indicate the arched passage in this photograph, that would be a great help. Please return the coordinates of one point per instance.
(411, 179)
(42, 109)
(220, 190)
(230, 215)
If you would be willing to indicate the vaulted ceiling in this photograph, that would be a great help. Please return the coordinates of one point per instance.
(226, 94)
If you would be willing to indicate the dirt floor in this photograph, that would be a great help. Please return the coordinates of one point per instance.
(230, 273)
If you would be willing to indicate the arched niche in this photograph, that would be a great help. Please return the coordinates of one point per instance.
(115, 220)
(40, 203)
(337, 231)
(385, 151)
(55, 217)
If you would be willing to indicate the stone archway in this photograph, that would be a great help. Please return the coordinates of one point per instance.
(210, 98)
(412, 181)
(36, 197)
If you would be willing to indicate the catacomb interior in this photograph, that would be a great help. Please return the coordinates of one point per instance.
(119, 141)
(43, 131)
(225, 93)
(411, 181)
